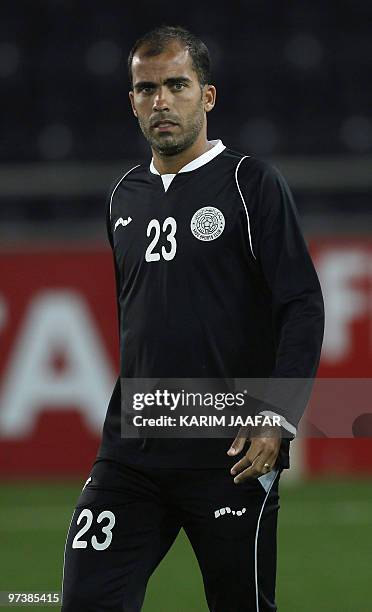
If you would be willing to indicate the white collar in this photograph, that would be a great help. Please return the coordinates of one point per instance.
(206, 157)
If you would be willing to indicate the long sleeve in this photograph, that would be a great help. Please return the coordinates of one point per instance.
(116, 394)
(297, 303)
(111, 242)
(296, 298)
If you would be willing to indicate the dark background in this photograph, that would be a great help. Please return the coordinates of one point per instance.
(293, 82)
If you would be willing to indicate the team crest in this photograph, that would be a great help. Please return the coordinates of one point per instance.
(207, 223)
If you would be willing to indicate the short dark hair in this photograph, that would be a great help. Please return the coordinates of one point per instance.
(157, 39)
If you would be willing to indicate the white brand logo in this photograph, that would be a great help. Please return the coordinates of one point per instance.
(87, 482)
(207, 223)
(123, 222)
(223, 511)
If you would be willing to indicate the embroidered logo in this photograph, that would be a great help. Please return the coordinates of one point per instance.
(207, 223)
(123, 222)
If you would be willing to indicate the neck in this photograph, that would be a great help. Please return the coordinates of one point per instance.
(174, 163)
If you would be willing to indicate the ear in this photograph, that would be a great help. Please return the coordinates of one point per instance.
(131, 98)
(209, 95)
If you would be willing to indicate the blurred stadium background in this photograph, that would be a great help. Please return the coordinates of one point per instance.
(294, 86)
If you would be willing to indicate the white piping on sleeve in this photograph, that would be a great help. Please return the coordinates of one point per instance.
(118, 183)
(283, 422)
(256, 541)
(244, 204)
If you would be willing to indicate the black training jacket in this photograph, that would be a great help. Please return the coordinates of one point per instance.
(214, 280)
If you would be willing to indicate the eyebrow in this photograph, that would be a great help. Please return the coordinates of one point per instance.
(169, 81)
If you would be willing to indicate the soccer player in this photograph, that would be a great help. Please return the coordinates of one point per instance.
(214, 281)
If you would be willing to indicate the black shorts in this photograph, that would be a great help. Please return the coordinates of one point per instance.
(127, 518)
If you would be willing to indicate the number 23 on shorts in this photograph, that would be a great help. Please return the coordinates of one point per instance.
(106, 529)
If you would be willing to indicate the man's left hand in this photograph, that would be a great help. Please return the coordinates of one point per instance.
(261, 455)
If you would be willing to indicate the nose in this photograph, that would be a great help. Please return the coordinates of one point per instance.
(160, 101)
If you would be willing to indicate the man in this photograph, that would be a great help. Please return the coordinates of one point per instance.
(214, 281)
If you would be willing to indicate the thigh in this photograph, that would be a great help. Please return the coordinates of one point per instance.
(119, 532)
(232, 529)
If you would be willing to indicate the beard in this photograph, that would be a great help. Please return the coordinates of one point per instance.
(168, 144)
